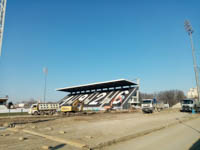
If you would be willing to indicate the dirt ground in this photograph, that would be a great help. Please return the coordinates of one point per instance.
(95, 131)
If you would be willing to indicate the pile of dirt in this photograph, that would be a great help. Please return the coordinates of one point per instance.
(178, 105)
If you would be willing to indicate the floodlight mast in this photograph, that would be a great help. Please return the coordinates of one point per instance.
(2, 20)
(189, 30)
(45, 70)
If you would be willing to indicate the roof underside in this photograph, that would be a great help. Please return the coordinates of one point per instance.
(99, 85)
(3, 99)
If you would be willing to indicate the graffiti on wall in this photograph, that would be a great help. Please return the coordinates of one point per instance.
(116, 98)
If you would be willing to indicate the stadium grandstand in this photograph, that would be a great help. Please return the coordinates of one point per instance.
(121, 94)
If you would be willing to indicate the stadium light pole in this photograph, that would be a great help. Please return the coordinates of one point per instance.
(2, 21)
(45, 70)
(189, 30)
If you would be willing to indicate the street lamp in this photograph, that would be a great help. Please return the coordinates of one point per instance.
(189, 30)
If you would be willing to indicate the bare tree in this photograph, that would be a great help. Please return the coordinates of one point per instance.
(29, 102)
(170, 97)
(145, 96)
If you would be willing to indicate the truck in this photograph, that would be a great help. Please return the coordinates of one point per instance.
(44, 109)
(187, 105)
(151, 105)
(76, 106)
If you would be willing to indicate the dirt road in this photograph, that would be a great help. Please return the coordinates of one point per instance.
(183, 136)
(96, 131)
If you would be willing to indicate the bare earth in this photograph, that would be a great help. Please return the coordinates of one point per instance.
(98, 131)
(182, 136)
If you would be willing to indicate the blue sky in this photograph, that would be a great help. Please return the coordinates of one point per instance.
(96, 40)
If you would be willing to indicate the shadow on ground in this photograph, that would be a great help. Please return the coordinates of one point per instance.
(196, 145)
(58, 146)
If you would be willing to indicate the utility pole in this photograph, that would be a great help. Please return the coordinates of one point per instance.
(189, 30)
(2, 20)
(45, 70)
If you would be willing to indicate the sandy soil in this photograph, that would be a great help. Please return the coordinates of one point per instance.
(93, 130)
(183, 136)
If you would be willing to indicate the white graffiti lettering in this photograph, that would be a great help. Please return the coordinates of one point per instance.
(100, 96)
(64, 101)
(120, 97)
(83, 97)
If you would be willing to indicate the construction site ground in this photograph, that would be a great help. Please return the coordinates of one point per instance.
(95, 131)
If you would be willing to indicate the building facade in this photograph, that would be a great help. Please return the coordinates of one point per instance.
(192, 93)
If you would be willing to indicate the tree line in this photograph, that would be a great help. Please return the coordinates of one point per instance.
(170, 97)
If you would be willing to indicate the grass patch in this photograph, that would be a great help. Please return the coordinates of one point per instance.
(13, 114)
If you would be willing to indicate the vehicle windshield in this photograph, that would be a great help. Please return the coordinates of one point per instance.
(146, 101)
(187, 102)
(33, 106)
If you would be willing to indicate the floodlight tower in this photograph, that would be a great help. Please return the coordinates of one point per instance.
(189, 30)
(2, 20)
(45, 70)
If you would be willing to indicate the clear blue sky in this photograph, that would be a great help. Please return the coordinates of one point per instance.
(84, 41)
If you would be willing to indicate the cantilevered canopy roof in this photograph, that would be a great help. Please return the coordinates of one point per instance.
(2, 99)
(98, 85)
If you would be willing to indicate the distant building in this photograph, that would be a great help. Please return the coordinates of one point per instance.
(20, 105)
(3, 101)
(192, 93)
